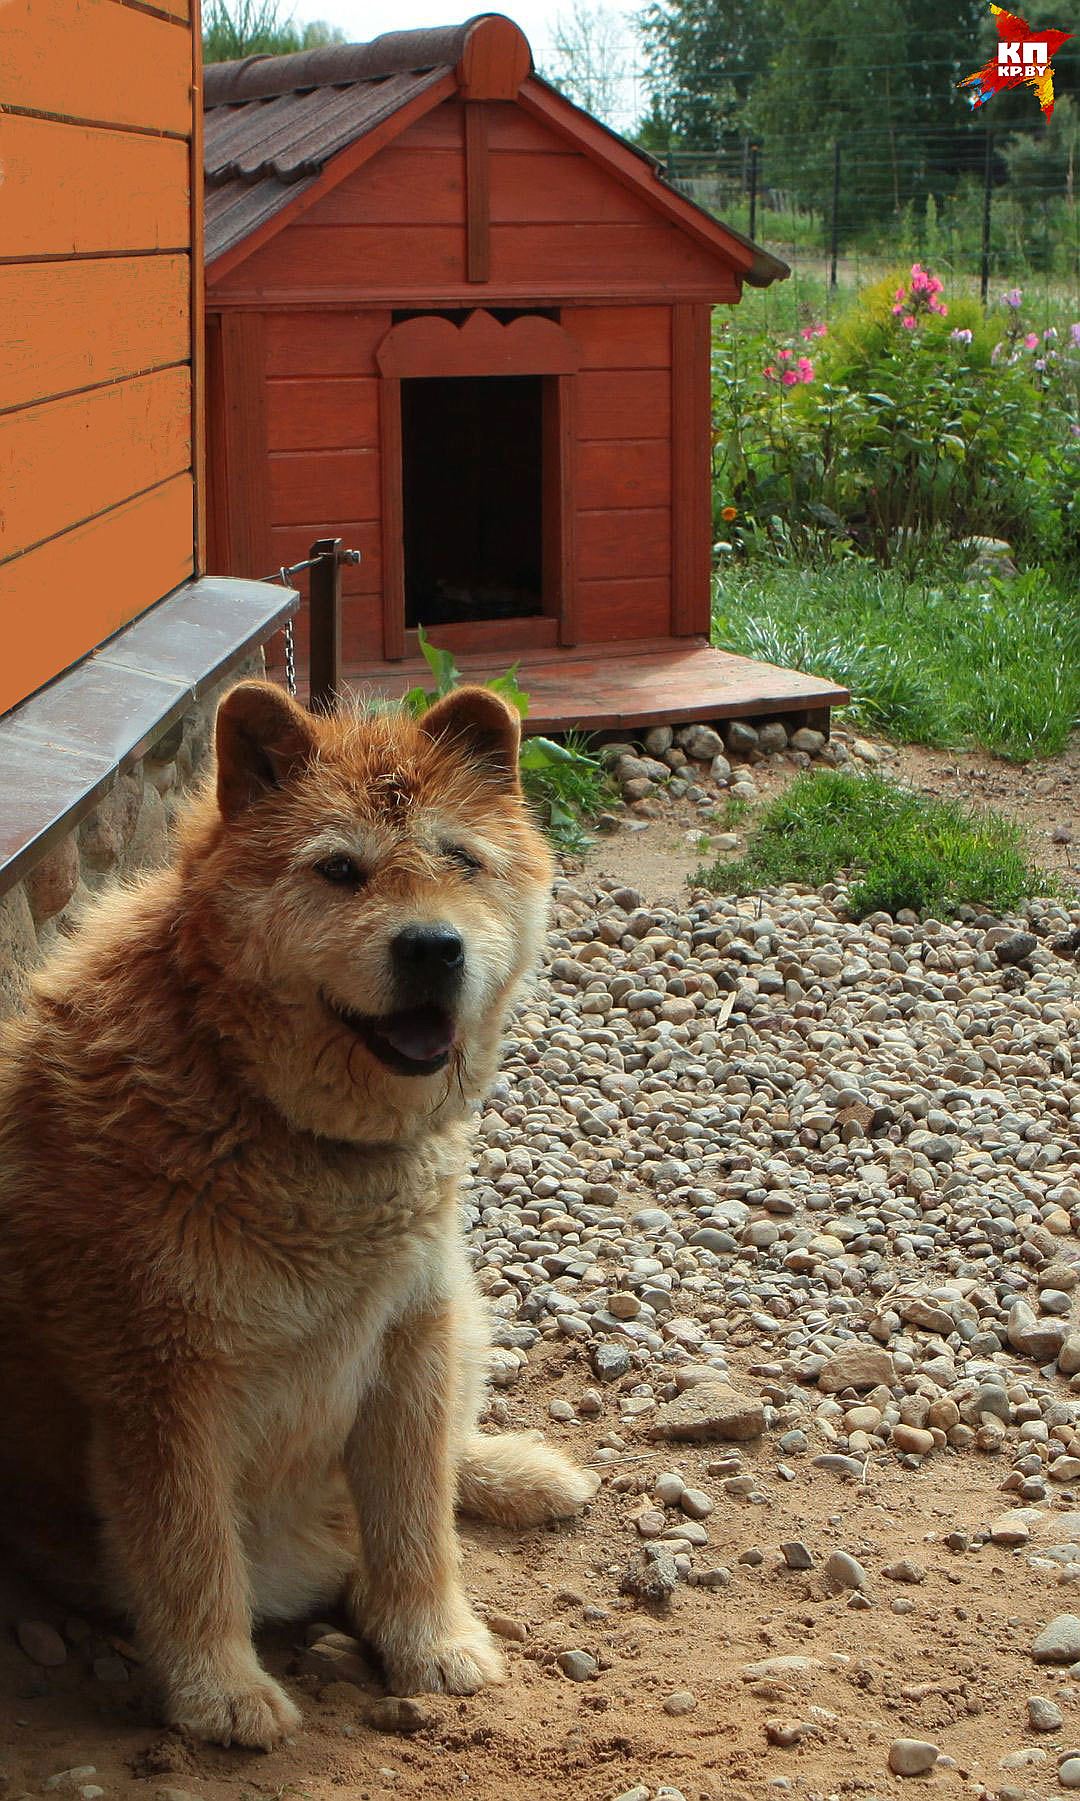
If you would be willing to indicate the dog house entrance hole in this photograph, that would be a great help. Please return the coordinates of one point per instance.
(472, 477)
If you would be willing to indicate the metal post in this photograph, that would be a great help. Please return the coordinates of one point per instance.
(835, 243)
(324, 625)
(753, 189)
(988, 169)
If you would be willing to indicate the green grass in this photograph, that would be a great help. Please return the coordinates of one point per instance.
(931, 660)
(906, 850)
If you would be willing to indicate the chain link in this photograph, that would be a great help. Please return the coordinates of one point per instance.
(290, 658)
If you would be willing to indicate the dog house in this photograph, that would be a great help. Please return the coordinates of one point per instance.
(458, 323)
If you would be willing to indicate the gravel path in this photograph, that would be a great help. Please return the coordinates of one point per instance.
(846, 1157)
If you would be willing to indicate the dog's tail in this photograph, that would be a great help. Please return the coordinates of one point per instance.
(515, 1479)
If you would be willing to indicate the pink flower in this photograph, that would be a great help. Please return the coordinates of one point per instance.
(785, 354)
(789, 378)
(908, 323)
(960, 336)
(1013, 298)
(1074, 334)
(821, 330)
(1050, 335)
(805, 368)
(1031, 340)
(901, 294)
(898, 309)
(769, 371)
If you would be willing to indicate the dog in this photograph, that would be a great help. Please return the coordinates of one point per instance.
(242, 1353)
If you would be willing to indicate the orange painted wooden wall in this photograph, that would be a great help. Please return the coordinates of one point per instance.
(96, 307)
(295, 387)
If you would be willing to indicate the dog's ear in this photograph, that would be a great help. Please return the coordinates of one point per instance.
(479, 726)
(263, 737)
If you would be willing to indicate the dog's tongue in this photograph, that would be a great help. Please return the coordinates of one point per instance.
(419, 1033)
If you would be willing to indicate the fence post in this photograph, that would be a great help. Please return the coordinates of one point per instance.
(753, 189)
(324, 625)
(988, 169)
(835, 234)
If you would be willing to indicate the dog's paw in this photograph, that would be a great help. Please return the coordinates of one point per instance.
(256, 1714)
(458, 1661)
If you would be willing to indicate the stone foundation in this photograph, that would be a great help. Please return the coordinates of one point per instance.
(127, 831)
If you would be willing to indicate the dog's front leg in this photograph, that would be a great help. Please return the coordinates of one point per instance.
(164, 1492)
(407, 1597)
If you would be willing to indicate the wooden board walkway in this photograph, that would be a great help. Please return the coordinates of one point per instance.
(600, 687)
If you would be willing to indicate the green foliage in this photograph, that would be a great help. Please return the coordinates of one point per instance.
(928, 656)
(564, 781)
(906, 850)
(959, 425)
(238, 28)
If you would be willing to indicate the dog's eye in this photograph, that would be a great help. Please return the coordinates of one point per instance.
(341, 869)
(456, 853)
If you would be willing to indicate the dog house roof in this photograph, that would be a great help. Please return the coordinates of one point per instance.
(275, 124)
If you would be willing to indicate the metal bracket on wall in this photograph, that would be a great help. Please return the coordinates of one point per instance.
(325, 561)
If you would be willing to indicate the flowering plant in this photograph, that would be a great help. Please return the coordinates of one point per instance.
(921, 295)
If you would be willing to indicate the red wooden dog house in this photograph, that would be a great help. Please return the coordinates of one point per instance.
(457, 322)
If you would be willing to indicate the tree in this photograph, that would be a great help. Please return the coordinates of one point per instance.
(588, 62)
(702, 59)
(236, 28)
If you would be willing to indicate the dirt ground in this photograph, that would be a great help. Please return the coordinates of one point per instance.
(952, 1665)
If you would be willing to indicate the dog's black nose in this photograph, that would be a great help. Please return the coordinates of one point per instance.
(429, 956)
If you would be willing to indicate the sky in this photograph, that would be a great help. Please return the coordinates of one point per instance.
(363, 19)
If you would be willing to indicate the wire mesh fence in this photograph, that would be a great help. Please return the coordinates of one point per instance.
(984, 208)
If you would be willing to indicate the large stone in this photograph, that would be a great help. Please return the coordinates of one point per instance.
(106, 832)
(53, 880)
(1034, 1337)
(857, 1366)
(912, 1756)
(711, 1410)
(1059, 1642)
(702, 742)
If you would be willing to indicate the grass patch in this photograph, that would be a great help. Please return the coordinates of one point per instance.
(566, 794)
(907, 850)
(930, 661)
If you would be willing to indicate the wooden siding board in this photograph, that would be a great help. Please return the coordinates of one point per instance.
(71, 459)
(629, 404)
(197, 273)
(691, 471)
(406, 185)
(392, 519)
(66, 326)
(624, 541)
(477, 194)
(621, 337)
(243, 371)
(323, 413)
(92, 60)
(325, 344)
(624, 608)
(624, 472)
(97, 577)
(541, 261)
(323, 484)
(72, 190)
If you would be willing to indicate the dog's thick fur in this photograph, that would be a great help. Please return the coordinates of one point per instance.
(241, 1354)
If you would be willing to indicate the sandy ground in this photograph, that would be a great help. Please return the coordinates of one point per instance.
(952, 1665)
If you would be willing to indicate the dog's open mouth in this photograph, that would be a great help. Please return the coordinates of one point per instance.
(415, 1041)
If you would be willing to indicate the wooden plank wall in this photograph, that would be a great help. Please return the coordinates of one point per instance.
(323, 469)
(95, 324)
(624, 499)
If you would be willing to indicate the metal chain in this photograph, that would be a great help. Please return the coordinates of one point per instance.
(290, 659)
